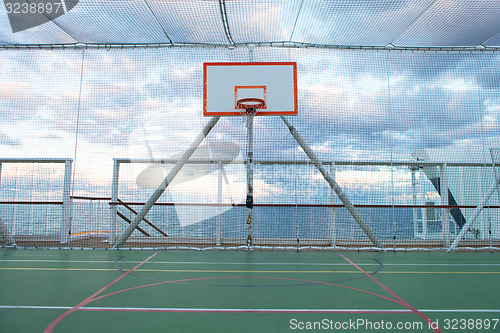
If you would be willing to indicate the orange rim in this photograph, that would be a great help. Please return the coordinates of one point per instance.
(251, 103)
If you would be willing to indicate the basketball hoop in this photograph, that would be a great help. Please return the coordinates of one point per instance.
(251, 107)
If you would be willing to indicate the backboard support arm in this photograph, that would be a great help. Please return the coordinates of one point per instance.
(333, 184)
(164, 184)
(474, 215)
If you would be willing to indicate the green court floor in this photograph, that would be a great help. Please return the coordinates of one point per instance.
(240, 291)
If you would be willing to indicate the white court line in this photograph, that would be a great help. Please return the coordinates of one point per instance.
(43, 307)
(238, 263)
(50, 307)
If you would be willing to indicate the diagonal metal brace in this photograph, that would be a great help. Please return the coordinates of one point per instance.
(333, 184)
(163, 186)
(474, 215)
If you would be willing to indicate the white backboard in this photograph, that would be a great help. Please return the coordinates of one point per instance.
(224, 83)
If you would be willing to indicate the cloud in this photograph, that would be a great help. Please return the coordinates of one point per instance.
(350, 107)
(488, 76)
(426, 66)
(16, 101)
(8, 141)
(364, 108)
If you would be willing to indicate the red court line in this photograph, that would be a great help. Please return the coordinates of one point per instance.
(246, 277)
(402, 301)
(91, 297)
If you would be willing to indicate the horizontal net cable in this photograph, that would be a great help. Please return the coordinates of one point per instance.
(286, 45)
(411, 23)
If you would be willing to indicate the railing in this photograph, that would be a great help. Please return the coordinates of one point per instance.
(96, 221)
(65, 203)
(418, 207)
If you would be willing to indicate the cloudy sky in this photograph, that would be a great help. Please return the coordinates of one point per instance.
(361, 105)
(95, 105)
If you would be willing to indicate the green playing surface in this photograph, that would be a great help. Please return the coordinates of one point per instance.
(239, 291)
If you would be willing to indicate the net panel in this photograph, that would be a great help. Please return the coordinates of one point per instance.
(101, 24)
(412, 23)
(452, 22)
(31, 200)
(193, 21)
(383, 123)
(247, 19)
(359, 23)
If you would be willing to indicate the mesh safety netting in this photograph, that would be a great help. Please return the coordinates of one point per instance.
(412, 139)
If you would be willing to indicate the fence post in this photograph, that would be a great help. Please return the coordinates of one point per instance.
(422, 202)
(218, 231)
(445, 212)
(67, 203)
(114, 201)
(333, 219)
(413, 170)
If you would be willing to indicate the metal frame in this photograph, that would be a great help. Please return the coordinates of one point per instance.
(67, 201)
(286, 45)
(414, 166)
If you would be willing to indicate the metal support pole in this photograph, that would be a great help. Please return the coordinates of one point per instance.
(163, 186)
(67, 203)
(249, 201)
(114, 200)
(475, 214)
(414, 201)
(336, 188)
(481, 221)
(218, 229)
(422, 203)
(445, 212)
(333, 219)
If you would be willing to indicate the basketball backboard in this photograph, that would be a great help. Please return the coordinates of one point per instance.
(224, 83)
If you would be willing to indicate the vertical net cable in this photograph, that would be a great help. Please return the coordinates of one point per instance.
(389, 107)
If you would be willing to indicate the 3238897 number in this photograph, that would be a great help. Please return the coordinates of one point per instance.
(32, 8)
(470, 324)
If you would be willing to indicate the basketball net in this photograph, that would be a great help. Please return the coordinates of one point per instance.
(249, 108)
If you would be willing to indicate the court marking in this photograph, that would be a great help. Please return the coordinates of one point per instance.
(393, 294)
(241, 310)
(94, 297)
(242, 263)
(379, 263)
(235, 271)
(91, 297)
(246, 277)
(227, 264)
